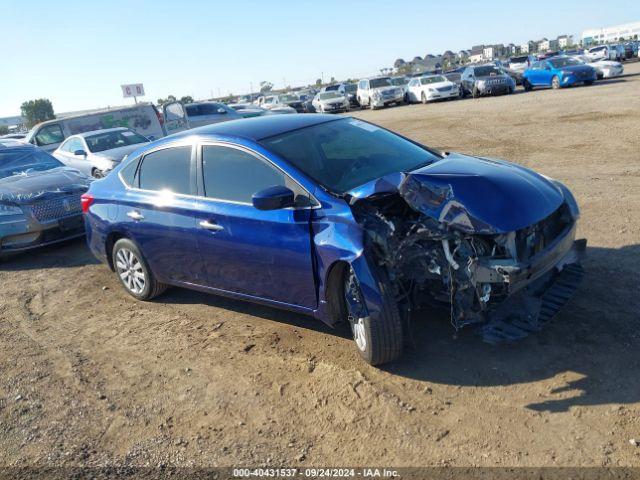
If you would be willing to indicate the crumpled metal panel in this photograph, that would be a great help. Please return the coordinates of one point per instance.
(32, 186)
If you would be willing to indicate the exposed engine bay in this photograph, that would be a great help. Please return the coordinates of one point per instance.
(437, 253)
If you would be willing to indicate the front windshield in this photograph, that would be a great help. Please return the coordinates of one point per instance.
(399, 81)
(564, 62)
(380, 82)
(288, 98)
(487, 71)
(24, 160)
(110, 140)
(346, 153)
(328, 95)
(433, 79)
(351, 88)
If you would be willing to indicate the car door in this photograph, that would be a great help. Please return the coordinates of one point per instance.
(158, 213)
(67, 155)
(546, 73)
(264, 254)
(175, 118)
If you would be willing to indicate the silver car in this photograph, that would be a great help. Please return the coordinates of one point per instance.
(96, 153)
(40, 200)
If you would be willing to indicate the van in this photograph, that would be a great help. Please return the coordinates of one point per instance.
(144, 118)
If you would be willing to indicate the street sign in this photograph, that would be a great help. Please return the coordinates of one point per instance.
(132, 90)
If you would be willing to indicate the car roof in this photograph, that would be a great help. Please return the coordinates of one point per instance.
(258, 128)
(96, 132)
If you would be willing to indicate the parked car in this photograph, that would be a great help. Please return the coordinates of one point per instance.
(39, 198)
(521, 63)
(342, 220)
(478, 80)
(97, 153)
(331, 102)
(558, 72)
(207, 113)
(601, 52)
(280, 101)
(248, 110)
(604, 68)
(455, 77)
(351, 91)
(431, 87)
(144, 118)
(514, 74)
(378, 92)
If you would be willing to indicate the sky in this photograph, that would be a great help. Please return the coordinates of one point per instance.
(78, 53)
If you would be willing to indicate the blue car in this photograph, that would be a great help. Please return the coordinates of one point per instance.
(343, 220)
(558, 72)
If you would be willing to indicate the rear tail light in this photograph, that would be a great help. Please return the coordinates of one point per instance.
(86, 200)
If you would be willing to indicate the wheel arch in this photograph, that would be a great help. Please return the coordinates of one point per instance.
(110, 241)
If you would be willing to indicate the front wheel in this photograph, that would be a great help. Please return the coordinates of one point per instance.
(423, 98)
(555, 82)
(378, 340)
(134, 273)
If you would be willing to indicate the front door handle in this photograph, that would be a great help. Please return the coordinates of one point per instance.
(134, 215)
(207, 225)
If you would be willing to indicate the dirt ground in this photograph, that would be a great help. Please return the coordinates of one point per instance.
(89, 376)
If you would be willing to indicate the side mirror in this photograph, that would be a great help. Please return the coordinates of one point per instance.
(80, 153)
(273, 198)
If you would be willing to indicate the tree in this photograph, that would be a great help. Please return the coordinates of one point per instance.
(36, 111)
(187, 99)
(265, 86)
(169, 99)
(4, 129)
(319, 82)
(398, 63)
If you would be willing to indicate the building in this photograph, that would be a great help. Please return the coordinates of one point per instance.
(627, 31)
(491, 52)
(546, 45)
(565, 41)
(476, 55)
(462, 56)
(529, 47)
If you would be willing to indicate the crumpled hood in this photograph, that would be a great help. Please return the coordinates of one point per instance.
(117, 154)
(472, 194)
(32, 186)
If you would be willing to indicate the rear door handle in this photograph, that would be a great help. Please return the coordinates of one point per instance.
(207, 225)
(134, 215)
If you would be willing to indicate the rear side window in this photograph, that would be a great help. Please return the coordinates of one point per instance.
(128, 173)
(234, 175)
(167, 170)
(49, 135)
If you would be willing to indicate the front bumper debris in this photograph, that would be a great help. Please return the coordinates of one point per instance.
(532, 307)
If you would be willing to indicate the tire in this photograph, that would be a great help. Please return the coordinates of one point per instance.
(380, 341)
(475, 93)
(527, 85)
(407, 100)
(423, 98)
(133, 271)
(95, 173)
(555, 82)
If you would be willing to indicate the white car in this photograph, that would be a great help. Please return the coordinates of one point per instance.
(601, 52)
(604, 68)
(96, 153)
(280, 103)
(378, 92)
(431, 87)
(332, 101)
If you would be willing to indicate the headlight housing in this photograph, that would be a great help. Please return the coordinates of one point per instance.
(7, 210)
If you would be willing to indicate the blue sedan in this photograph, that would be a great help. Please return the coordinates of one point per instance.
(558, 72)
(342, 220)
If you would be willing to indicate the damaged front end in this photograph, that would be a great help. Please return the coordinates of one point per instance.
(493, 241)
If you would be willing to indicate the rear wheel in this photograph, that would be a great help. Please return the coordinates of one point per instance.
(134, 273)
(95, 173)
(423, 98)
(378, 341)
(476, 92)
(555, 82)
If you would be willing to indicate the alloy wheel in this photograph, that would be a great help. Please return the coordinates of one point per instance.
(130, 270)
